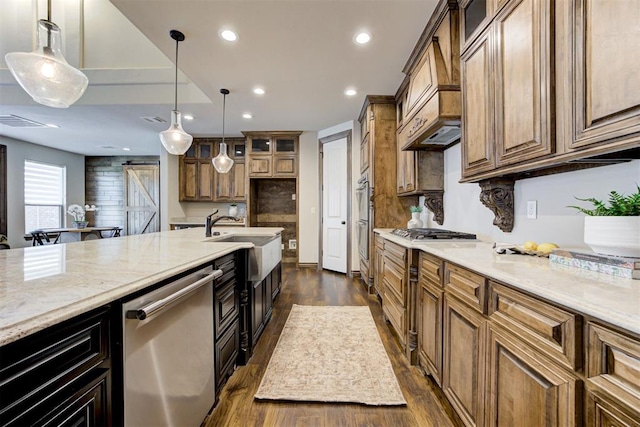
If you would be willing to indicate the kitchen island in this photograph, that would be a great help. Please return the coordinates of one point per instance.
(92, 332)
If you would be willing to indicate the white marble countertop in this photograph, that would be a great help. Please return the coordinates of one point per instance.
(45, 285)
(608, 298)
(192, 220)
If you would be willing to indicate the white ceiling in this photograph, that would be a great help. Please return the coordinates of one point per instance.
(300, 51)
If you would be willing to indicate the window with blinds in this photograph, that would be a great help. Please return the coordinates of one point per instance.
(44, 195)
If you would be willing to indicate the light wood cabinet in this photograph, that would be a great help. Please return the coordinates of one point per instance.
(272, 155)
(394, 277)
(463, 373)
(526, 389)
(613, 378)
(508, 89)
(606, 105)
(365, 150)
(198, 180)
(378, 283)
(431, 301)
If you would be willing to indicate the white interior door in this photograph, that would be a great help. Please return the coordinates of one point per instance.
(334, 205)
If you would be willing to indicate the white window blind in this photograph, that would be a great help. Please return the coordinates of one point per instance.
(44, 195)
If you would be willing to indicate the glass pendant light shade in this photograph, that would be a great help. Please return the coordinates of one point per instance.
(222, 162)
(44, 73)
(175, 140)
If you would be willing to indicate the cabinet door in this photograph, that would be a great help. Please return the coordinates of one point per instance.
(605, 412)
(205, 181)
(605, 71)
(524, 81)
(224, 184)
(430, 330)
(260, 166)
(226, 351)
(526, 389)
(285, 145)
(365, 153)
(474, 16)
(285, 166)
(188, 180)
(463, 362)
(406, 174)
(238, 194)
(477, 107)
(257, 303)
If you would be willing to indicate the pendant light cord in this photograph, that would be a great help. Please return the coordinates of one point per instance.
(224, 109)
(175, 102)
(48, 25)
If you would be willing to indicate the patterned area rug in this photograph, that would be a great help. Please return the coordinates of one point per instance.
(330, 354)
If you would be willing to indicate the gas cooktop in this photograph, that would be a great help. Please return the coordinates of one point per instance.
(431, 234)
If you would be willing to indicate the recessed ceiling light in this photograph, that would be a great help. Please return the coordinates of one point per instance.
(51, 125)
(126, 149)
(187, 117)
(350, 92)
(229, 35)
(247, 116)
(258, 91)
(362, 38)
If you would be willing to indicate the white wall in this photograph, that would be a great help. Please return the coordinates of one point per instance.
(308, 199)
(19, 151)
(355, 175)
(555, 222)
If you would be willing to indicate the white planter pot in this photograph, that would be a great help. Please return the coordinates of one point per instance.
(613, 235)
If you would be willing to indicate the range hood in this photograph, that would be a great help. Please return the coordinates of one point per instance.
(429, 99)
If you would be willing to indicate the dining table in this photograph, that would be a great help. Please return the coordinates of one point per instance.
(67, 235)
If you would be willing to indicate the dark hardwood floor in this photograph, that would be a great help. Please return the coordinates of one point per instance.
(426, 406)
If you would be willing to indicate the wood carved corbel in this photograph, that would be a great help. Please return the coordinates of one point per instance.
(434, 201)
(497, 195)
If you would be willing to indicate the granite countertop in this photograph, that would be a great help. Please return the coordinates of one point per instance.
(608, 298)
(45, 285)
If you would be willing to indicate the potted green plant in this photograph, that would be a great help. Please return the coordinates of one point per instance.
(415, 221)
(613, 227)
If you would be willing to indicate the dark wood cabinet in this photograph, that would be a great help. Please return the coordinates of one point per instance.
(60, 372)
(263, 294)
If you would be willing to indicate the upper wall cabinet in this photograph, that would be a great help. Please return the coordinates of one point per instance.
(272, 154)
(605, 72)
(508, 89)
(199, 182)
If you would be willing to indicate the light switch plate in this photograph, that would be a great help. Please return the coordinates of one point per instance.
(532, 209)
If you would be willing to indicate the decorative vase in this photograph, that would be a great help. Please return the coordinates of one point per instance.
(233, 210)
(415, 221)
(613, 235)
(80, 224)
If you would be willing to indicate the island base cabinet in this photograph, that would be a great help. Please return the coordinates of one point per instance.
(463, 360)
(430, 335)
(525, 389)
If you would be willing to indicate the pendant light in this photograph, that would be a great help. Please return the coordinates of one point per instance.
(222, 162)
(44, 73)
(175, 140)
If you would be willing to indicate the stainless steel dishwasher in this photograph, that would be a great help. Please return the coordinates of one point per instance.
(168, 353)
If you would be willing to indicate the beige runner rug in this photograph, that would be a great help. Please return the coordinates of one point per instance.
(330, 354)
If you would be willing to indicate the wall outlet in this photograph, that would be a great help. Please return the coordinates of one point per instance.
(293, 244)
(282, 246)
(532, 209)
(293, 197)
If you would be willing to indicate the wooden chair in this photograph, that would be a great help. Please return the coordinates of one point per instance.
(40, 238)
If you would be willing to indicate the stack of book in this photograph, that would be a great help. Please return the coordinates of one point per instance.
(628, 268)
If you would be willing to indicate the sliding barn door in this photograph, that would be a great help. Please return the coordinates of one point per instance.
(141, 199)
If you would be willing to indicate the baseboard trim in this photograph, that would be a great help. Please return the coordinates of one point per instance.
(313, 265)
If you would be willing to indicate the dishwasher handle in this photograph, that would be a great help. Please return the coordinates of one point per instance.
(157, 306)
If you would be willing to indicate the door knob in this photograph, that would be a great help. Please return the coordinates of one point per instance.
(343, 222)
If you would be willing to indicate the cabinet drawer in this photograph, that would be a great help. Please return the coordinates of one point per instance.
(613, 366)
(227, 306)
(395, 252)
(394, 311)
(551, 330)
(467, 286)
(431, 269)
(38, 366)
(394, 280)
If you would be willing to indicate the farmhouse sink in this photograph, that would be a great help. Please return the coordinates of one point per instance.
(263, 257)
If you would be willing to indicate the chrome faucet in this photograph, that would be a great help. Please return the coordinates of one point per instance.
(211, 221)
